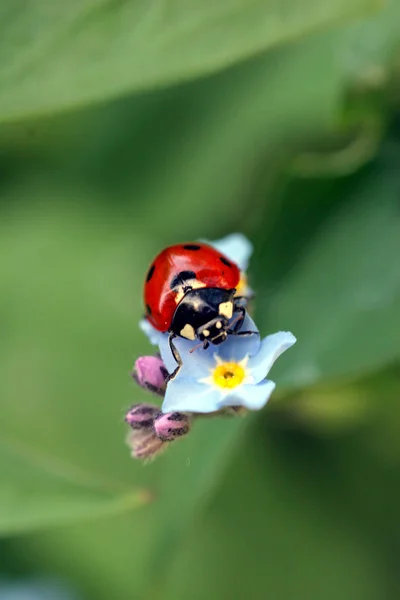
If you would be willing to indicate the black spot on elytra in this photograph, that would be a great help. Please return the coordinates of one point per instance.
(181, 278)
(191, 247)
(148, 309)
(225, 261)
(150, 273)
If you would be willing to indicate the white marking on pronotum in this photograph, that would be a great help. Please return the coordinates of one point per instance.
(188, 332)
(190, 284)
(206, 333)
(179, 296)
(218, 324)
(226, 309)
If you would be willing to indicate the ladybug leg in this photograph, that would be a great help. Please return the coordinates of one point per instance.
(176, 356)
(239, 323)
(239, 319)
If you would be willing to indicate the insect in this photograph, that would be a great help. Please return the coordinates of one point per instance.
(190, 292)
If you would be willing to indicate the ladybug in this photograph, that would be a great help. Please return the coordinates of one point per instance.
(190, 292)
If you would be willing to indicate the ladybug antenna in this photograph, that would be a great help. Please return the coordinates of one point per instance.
(195, 347)
(235, 320)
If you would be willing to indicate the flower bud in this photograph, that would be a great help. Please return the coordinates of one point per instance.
(141, 416)
(169, 426)
(144, 444)
(151, 374)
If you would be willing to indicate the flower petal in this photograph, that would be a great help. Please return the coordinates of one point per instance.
(148, 329)
(236, 247)
(236, 347)
(271, 348)
(186, 395)
(195, 364)
(252, 397)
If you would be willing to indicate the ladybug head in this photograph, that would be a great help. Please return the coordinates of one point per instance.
(215, 331)
(204, 314)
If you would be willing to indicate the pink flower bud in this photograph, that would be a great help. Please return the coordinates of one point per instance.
(169, 426)
(141, 416)
(151, 374)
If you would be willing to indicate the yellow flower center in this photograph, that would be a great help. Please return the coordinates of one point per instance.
(242, 285)
(228, 375)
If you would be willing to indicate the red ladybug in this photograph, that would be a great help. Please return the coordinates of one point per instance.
(190, 292)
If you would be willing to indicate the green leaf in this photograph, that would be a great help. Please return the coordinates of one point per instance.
(282, 521)
(369, 46)
(334, 408)
(55, 56)
(341, 295)
(143, 151)
(38, 491)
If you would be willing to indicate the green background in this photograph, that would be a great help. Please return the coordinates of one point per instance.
(127, 126)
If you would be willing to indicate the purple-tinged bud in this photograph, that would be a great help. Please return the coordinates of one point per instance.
(144, 444)
(141, 416)
(150, 373)
(170, 426)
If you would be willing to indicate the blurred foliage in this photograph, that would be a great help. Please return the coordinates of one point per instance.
(58, 56)
(111, 146)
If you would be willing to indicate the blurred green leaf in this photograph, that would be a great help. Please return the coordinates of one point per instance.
(341, 293)
(331, 408)
(337, 407)
(280, 525)
(367, 55)
(383, 439)
(209, 145)
(39, 491)
(369, 46)
(53, 56)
